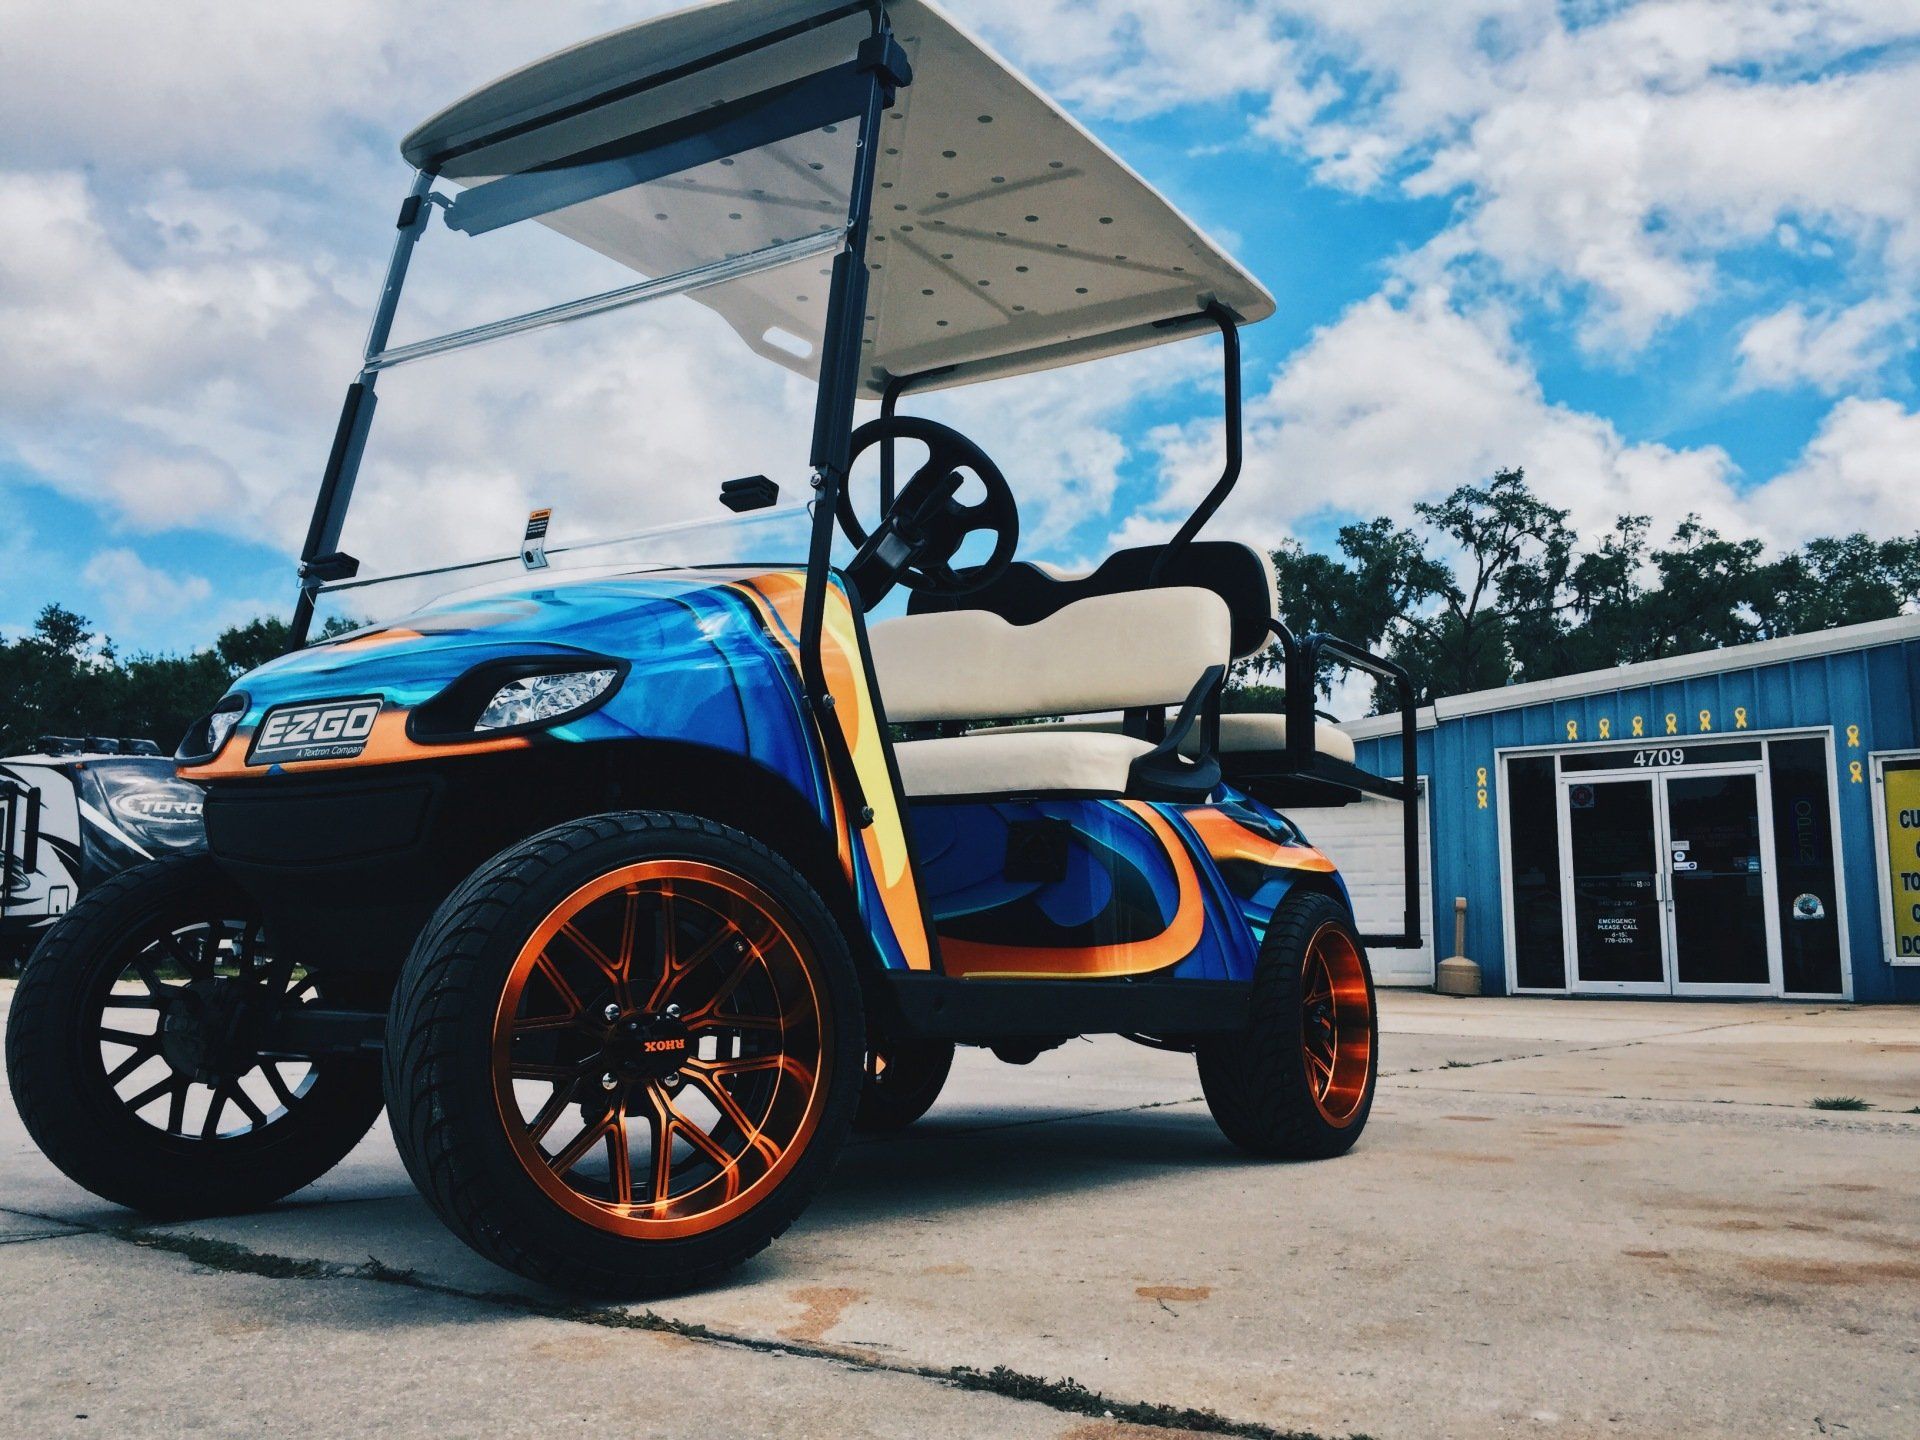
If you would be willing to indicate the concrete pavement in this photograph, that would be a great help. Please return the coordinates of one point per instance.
(1567, 1218)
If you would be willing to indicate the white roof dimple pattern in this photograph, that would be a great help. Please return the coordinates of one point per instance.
(1005, 237)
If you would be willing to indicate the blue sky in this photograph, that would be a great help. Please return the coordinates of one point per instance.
(1666, 255)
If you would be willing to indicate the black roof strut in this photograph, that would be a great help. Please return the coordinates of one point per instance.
(1230, 475)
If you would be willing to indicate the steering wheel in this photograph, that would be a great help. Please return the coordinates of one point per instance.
(924, 528)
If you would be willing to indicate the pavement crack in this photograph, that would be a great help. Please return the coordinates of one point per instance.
(1065, 1394)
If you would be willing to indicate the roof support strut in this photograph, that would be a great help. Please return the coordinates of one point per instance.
(886, 66)
(320, 557)
(1230, 475)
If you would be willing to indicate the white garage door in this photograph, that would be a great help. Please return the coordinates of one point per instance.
(1363, 839)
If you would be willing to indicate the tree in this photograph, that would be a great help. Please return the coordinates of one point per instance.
(1383, 574)
(1838, 581)
(65, 679)
(57, 673)
(249, 646)
(1516, 551)
(1525, 601)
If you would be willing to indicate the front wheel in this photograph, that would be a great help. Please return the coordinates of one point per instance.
(1298, 1082)
(625, 1053)
(146, 1053)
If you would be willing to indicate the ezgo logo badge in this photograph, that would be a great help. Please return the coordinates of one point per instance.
(329, 730)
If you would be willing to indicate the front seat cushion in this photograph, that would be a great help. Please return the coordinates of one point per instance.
(1018, 762)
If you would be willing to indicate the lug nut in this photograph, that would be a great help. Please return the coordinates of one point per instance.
(674, 1081)
(612, 1012)
(609, 1081)
(673, 1012)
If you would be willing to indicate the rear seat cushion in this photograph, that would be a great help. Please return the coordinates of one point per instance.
(1018, 762)
(1269, 732)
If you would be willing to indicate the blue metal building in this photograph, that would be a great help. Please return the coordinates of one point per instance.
(1741, 822)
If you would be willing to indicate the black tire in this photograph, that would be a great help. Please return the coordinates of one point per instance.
(1266, 1091)
(60, 1077)
(451, 1103)
(903, 1079)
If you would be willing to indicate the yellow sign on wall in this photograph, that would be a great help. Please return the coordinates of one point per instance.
(1900, 791)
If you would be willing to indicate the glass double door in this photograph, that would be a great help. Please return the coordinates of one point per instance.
(1667, 883)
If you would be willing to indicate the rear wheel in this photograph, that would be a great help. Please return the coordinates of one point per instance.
(1298, 1082)
(625, 1053)
(143, 1053)
(903, 1080)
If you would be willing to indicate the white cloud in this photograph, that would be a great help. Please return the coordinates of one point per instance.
(1057, 436)
(1617, 149)
(1400, 401)
(1861, 471)
(284, 89)
(182, 319)
(1828, 350)
(134, 594)
(198, 196)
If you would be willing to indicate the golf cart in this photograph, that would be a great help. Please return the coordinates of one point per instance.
(630, 891)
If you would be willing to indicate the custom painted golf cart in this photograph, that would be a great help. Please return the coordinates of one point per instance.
(648, 884)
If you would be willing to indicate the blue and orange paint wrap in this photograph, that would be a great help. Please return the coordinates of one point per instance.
(1142, 888)
(714, 663)
(1182, 891)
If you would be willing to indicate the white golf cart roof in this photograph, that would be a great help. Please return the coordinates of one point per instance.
(1005, 238)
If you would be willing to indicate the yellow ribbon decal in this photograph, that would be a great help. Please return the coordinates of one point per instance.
(1480, 776)
(1706, 719)
(1573, 729)
(1853, 737)
(1673, 723)
(1606, 728)
(1739, 717)
(1639, 727)
(1853, 771)
(1480, 786)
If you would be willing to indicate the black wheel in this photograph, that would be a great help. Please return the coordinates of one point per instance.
(625, 1053)
(142, 1053)
(903, 1080)
(1298, 1082)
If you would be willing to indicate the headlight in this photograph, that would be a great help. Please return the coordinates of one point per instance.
(219, 726)
(535, 698)
(207, 735)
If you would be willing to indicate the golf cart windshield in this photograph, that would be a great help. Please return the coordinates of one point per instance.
(862, 192)
(741, 216)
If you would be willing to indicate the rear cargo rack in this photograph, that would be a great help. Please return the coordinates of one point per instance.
(1301, 775)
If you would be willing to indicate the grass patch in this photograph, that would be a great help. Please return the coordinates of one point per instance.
(1457, 1065)
(235, 1259)
(1838, 1102)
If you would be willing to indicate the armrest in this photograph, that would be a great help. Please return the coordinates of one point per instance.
(1163, 773)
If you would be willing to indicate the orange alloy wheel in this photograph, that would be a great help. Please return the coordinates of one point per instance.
(1336, 1025)
(658, 1051)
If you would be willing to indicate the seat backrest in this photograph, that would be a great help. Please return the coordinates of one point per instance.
(1240, 575)
(1106, 652)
